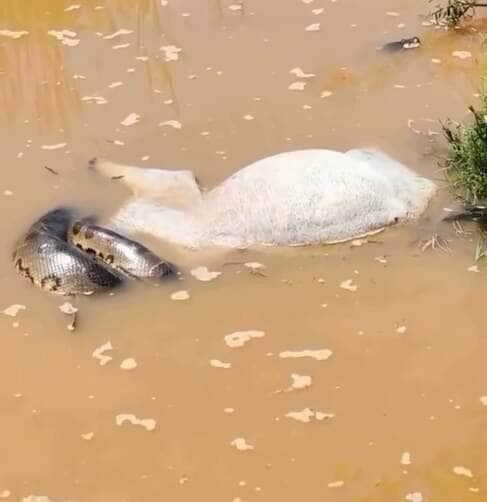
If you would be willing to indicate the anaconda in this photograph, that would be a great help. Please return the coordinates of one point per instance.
(48, 257)
(128, 257)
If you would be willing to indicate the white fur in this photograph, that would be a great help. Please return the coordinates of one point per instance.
(293, 198)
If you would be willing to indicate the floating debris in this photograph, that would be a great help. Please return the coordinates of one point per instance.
(128, 364)
(300, 381)
(99, 353)
(240, 338)
(319, 355)
(171, 123)
(68, 308)
(13, 310)
(13, 34)
(55, 146)
(405, 458)
(414, 497)
(348, 285)
(130, 119)
(216, 363)
(241, 444)
(203, 274)
(313, 27)
(149, 424)
(300, 73)
(336, 484)
(297, 86)
(66, 37)
(171, 52)
(307, 414)
(180, 295)
(459, 470)
(461, 54)
(118, 33)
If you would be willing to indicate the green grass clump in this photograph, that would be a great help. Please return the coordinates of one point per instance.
(466, 160)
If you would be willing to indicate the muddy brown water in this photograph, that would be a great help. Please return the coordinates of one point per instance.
(395, 412)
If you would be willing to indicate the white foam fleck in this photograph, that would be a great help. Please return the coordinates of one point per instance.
(381, 259)
(317, 12)
(401, 329)
(120, 46)
(171, 123)
(8, 193)
(392, 14)
(128, 364)
(414, 497)
(68, 308)
(241, 444)
(460, 470)
(307, 414)
(325, 94)
(5, 494)
(171, 52)
(473, 268)
(229, 410)
(319, 355)
(118, 33)
(216, 363)
(462, 54)
(203, 274)
(253, 265)
(14, 309)
(130, 119)
(72, 7)
(88, 436)
(149, 424)
(55, 146)
(300, 381)
(240, 338)
(235, 6)
(313, 27)
(113, 85)
(180, 295)
(297, 86)
(483, 400)
(336, 484)
(36, 498)
(66, 37)
(98, 100)
(99, 354)
(298, 72)
(349, 285)
(405, 458)
(248, 117)
(13, 34)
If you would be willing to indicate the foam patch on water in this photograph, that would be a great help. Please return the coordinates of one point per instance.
(13, 34)
(66, 37)
(319, 355)
(14, 309)
(149, 424)
(306, 415)
(99, 353)
(204, 275)
(241, 444)
(240, 338)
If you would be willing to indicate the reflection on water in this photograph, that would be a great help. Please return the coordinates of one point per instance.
(394, 412)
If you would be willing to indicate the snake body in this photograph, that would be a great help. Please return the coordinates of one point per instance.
(126, 256)
(54, 256)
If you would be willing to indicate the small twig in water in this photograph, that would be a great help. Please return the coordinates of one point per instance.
(51, 170)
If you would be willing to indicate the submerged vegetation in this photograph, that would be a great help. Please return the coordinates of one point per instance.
(455, 11)
(466, 160)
